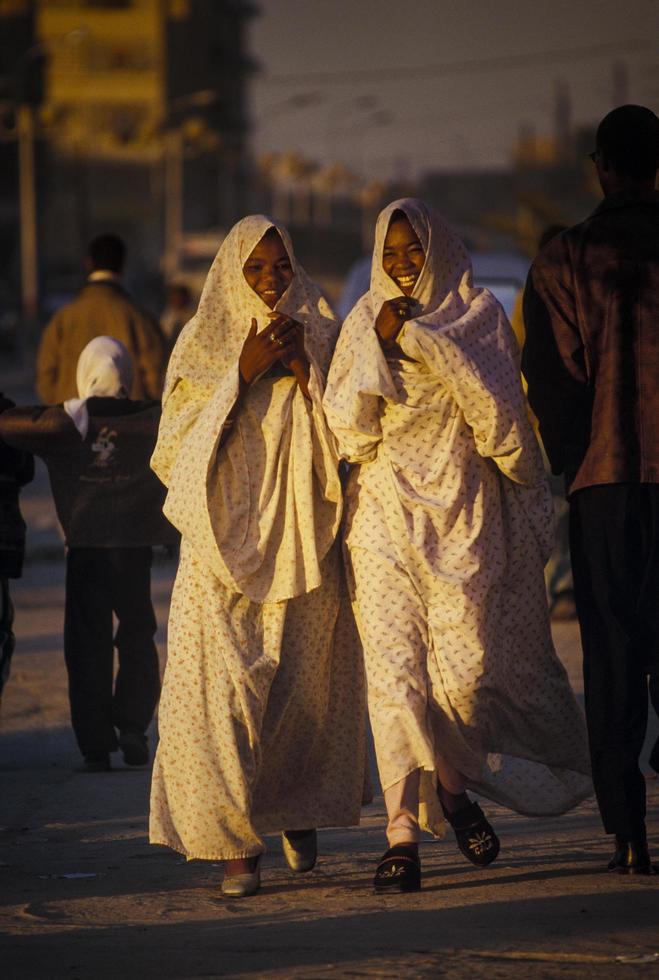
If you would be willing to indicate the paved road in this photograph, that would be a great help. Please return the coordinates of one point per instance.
(85, 896)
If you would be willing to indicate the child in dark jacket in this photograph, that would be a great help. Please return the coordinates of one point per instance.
(109, 502)
(16, 469)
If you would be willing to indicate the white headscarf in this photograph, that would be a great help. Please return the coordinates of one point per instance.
(464, 331)
(105, 370)
(210, 344)
(264, 519)
(445, 286)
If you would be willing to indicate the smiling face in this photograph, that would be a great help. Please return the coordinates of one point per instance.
(268, 268)
(403, 256)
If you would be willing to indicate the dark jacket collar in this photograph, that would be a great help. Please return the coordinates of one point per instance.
(626, 199)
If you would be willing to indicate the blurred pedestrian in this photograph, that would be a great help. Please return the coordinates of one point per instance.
(449, 524)
(591, 360)
(178, 310)
(262, 714)
(109, 502)
(101, 308)
(16, 469)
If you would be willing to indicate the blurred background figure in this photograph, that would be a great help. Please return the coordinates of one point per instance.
(178, 310)
(102, 307)
(97, 449)
(16, 469)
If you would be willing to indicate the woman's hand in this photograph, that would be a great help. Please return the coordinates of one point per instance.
(389, 321)
(296, 359)
(261, 350)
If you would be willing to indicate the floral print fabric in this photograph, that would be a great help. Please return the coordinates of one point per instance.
(262, 710)
(449, 524)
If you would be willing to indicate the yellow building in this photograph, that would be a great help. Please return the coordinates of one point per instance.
(141, 124)
(105, 91)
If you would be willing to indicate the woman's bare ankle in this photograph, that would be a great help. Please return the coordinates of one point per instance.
(240, 866)
(453, 802)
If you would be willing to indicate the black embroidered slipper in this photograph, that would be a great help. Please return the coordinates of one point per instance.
(474, 833)
(399, 870)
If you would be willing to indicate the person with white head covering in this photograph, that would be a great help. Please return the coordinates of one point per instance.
(448, 528)
(261, 719)
(109, 502)
(105, 370)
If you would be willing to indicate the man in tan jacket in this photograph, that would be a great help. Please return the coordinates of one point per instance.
(102, 307)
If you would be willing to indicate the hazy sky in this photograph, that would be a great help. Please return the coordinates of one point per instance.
(410, 85)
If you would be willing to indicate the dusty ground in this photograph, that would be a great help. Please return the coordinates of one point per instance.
(85, 896)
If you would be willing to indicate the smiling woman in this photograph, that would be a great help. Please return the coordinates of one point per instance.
(261, 719)
(403, 256)
(448, 525)
(268, 268)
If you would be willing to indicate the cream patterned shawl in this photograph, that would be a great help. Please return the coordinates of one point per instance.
(263, 510)
(463, 332)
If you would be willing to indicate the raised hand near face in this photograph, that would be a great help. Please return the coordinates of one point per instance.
(260, 350)
(393, 314)
(296, 359)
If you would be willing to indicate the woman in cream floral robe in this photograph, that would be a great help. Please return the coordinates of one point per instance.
(261, 716)
(448, 528)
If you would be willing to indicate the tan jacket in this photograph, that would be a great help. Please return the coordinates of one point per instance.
(101, 308)
(591, 357)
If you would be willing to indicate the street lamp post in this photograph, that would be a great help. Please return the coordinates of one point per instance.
(173, 146)
(27, 211)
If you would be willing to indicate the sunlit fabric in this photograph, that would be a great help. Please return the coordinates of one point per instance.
(262, 712)
(451, 503)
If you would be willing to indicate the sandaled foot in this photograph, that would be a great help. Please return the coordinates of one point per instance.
(300, 849)
(474, 834)
(242, 877)
(399, 870)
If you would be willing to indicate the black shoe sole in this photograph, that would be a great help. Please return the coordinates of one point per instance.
(395, 889)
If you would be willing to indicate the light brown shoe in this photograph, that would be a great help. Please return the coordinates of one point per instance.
(243, 885)
(300, 849)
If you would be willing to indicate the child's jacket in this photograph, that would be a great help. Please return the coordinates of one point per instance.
(105, 493)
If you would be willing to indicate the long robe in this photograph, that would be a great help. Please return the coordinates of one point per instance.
(450, 501)
(261, 716)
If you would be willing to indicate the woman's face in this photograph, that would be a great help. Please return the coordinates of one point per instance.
(403, 256)
(268, 268)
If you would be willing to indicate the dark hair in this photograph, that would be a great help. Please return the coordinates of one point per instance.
(628, 141)
(107, 252)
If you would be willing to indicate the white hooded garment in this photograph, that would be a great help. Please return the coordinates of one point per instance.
(449, 520)
(261, 712)
(104, 370)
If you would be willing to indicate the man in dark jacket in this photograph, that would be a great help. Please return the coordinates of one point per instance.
(591, 360)
(97, 449)
(16, 469)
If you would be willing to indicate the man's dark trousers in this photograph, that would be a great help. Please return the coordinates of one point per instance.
(614, 541)
(100, 582)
